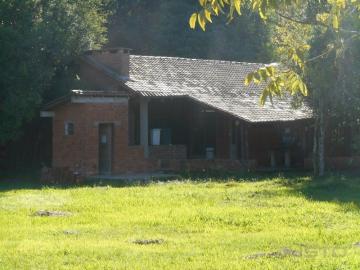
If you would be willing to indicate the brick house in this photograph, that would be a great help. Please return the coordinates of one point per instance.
(150, 113)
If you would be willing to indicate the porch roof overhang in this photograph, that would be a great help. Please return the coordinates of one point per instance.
(216, 84)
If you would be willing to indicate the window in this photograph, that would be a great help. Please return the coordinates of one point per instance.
(69, 128)
(160, 136)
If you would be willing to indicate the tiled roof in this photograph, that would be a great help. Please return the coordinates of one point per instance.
(219, 84)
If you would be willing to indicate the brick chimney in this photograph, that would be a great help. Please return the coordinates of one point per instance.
(117, 59)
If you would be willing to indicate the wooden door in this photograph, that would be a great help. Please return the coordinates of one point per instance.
(105, 148)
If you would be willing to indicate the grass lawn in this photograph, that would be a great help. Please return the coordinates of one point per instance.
(267, 222)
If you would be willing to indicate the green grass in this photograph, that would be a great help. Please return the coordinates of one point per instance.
(205, 223)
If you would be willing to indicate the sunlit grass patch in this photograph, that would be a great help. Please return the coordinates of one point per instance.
(31, 200)
(234, 222)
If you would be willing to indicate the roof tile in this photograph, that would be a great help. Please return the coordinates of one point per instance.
(219, 84)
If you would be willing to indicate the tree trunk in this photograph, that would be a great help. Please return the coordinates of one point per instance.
(315, 147)
(321, 140)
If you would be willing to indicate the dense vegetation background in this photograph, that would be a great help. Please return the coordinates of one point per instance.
(39, 41)
(161, 28)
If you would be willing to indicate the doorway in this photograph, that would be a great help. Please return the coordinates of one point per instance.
(105, 148)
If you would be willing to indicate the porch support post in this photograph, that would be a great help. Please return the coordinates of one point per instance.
(304, 142)
(144, 125)
(243, 141)
(236, 141)
(246, 142)
(242, 146)
(231, 139)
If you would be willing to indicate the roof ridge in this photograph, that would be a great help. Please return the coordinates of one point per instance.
(196, 59)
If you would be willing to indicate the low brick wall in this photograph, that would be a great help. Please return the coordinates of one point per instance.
(219, 164)
(168, 152)
(140, 165)
(132, 161)
(205, 165)
(337, 163)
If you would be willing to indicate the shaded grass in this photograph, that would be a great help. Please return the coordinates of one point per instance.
(201, 222)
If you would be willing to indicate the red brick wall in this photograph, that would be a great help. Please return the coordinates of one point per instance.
(81, 149)
(168, 152)
(205, 165)
(219, 164)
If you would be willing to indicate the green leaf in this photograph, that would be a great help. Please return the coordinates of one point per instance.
(202, 2)
(322, 17)
(263, 97)
(263, 74)
(207, 15)
(335, 22)
(256, 78)
(270, 71)
(201, 21)
(237, 4)
(303, 89)
(192, 20)
(249, 78)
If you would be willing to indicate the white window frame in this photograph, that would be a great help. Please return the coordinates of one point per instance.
(67, 129)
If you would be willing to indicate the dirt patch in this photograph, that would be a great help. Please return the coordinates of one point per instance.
(285, 252)
(148, 241)
(357, 244)
(48, 213)
(70, 232)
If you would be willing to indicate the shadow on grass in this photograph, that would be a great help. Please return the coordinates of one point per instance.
(339, 187)
(30, 180)
(335, 187)
(225, 176)
(15, 180)
(342, 188)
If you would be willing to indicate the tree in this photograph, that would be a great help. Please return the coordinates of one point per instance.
(160, 27)
(38, 40)
(298, 24)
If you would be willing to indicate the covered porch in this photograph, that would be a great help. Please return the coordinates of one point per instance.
(182, 129)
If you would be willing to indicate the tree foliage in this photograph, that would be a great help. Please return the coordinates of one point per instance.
(313, 41)
(38, 40)
(306, 19)
(160, 27)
